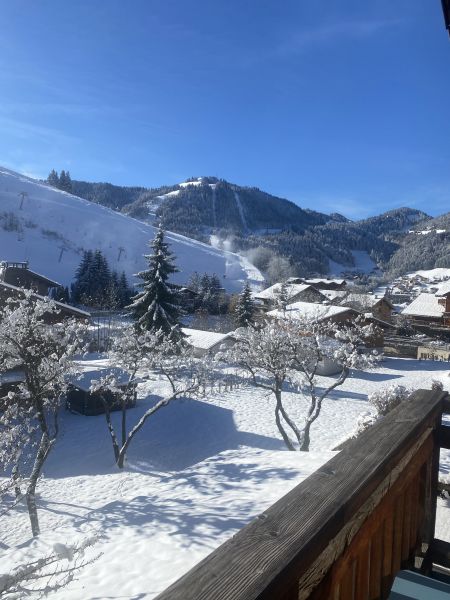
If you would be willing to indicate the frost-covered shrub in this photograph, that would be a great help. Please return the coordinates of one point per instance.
(387, 398)
(437, 385)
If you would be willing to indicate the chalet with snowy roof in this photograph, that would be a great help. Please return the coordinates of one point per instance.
(326, 283)
(430, 308)
(318, 312)
(19, 275)
(379, 307)
(207, 342)
(295, 290)
(66, 311)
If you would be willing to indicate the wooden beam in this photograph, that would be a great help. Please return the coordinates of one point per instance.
(267, 558)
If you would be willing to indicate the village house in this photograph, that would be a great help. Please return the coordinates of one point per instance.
(19, 275)
(296, 291)
(326, 283)
(379, 307)
(65, 311)
(433, 309)
(207, 342)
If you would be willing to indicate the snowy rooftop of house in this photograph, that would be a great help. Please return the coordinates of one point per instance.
(325, 280)
(60, 305)
(443, 289)
(84, 380)
(272, 292)
(425, 305)
(309, 310)
(204, 339)
(333, 294)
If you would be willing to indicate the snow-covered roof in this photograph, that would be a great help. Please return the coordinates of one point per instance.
(272, 292)
(333, 294)
(309, 310)
(325, 280)
(425, 305)
(443, 289)
(204, 339)
(84, 380)
(60, 305)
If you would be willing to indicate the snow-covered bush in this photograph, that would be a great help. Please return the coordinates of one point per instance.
(55, 570)
(29, 420)
(437, 385)
(387, 398)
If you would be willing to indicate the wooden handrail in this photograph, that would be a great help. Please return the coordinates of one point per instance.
(344, 531)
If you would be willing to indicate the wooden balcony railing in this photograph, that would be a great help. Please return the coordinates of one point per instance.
(346, 531)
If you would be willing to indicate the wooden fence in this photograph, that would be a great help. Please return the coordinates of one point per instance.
(344, 532)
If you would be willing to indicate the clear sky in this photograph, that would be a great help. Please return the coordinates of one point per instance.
(339, 105)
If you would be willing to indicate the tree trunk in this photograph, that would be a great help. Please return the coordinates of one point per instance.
(32, 510)
(304, 446)
(279, 410)
(42, 453)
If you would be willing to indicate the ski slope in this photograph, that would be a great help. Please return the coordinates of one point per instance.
(51, 229)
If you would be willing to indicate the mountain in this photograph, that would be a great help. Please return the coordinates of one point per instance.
(51, 229)
(280, 237)
(426, 246)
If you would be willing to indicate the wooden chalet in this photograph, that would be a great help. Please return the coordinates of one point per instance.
(207, 342)
(361, 527)
(432, 309)
(379, 307)
(327, 283)
(80, 400)
(296, 291)
(19, 275)
(65, 311)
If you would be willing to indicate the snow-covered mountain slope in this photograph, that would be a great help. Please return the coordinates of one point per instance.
(51, 228)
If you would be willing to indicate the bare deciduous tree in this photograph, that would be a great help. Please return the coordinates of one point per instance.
(293, 351)
(147, 353)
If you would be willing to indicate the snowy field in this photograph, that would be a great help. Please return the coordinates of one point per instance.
(197, 472)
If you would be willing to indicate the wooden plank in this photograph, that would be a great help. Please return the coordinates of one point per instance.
(406, 529)
(362, 574)
(273, 551)
(347, 584)
(376, 557)
(398, 529)
(388, 551)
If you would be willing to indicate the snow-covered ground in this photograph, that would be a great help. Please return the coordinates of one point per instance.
(197, 472)
(51, 228)
(363, 264)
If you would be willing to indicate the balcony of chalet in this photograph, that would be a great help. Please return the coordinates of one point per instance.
(361, 527)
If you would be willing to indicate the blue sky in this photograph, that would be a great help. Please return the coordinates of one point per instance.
(339, 105)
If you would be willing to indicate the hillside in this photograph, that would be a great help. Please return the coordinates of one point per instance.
(51, 229)
(279, 236)
(427, 246)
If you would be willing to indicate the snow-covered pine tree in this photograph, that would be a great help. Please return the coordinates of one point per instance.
(155, 308)
(244, 313)
(283, 297)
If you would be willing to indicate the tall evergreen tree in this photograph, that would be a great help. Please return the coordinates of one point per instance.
(155, 308)
(53, 178)
(244, 312)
